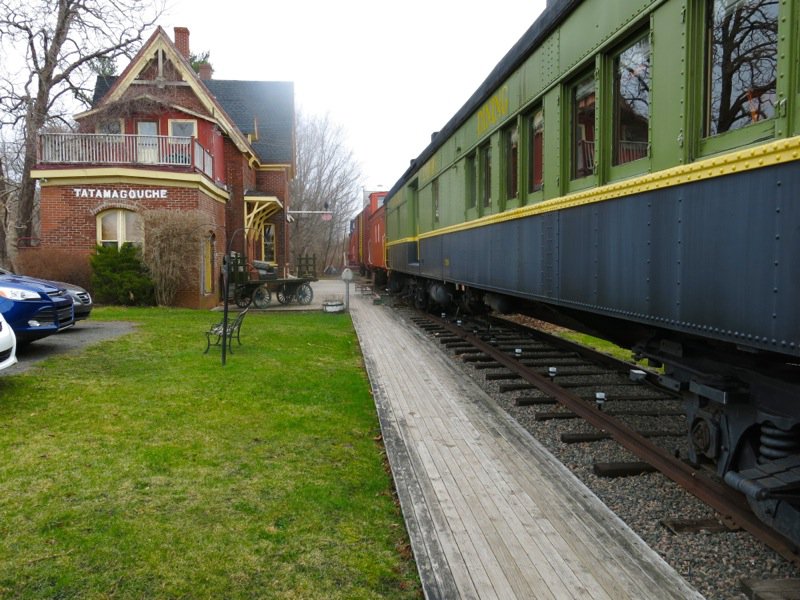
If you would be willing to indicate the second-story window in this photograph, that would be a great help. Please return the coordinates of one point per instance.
(632, 102)
(742, 63)
(110, 127)
(583, 135)
(182, 128)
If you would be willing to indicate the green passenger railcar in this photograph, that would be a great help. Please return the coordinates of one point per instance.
(634, 167)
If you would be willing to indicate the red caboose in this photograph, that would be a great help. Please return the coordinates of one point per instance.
(366, 250)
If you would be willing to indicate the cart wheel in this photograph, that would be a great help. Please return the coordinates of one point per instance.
(305, 294)
(242, 299)
(261, 297)
(284, 296)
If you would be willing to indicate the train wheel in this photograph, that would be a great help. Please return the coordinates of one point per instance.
(421, 299)
(261, 296)
(305, 294)
(284, 296)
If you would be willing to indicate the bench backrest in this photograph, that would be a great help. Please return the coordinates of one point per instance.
(239, 319)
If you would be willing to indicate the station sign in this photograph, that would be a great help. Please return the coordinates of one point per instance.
(121, 194)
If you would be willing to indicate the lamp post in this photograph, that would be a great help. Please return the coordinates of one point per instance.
(226, 280)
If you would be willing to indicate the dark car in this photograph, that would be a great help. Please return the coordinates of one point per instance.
(81, 299)
(34, 308)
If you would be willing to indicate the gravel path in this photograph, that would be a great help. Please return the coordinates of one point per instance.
(82, 334)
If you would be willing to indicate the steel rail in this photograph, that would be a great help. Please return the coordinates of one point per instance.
(725, 500)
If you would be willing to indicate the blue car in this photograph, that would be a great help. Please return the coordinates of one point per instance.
(33, 307)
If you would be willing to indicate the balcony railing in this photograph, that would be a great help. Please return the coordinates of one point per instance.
(123, 149)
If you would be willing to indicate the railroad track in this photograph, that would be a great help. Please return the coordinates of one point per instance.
(562, 380)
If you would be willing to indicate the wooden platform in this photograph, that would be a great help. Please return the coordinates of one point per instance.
(490, 513)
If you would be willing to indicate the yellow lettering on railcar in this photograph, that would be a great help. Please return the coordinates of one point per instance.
(493, 110)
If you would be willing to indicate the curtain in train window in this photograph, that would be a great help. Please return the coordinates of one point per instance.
(471, 181)
(583, 108)
(511, 152)
(742, 63)
(632, 102)
(535, 150)
(486, 175)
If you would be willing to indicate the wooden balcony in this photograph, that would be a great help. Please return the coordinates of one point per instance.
(121, 149)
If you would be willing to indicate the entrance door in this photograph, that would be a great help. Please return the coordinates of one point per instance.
(147, 142)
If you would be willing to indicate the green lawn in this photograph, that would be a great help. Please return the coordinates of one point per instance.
(141, 468)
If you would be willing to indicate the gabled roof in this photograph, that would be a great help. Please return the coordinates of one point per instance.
(264, 109)
(257, 115)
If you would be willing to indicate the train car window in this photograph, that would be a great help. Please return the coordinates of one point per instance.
(741, 63)
(511, 155)
(632, 102)
(485, 175)
(583, 134)
(535, 150)
(471, 183)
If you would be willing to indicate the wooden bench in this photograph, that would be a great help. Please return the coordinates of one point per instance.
(218, 330)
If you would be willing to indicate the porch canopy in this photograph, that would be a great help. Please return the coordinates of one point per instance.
(258, 208)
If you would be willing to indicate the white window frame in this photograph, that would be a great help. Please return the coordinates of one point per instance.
(172, 122)
(121, 229)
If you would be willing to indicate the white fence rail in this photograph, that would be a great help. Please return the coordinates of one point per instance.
(116, 149)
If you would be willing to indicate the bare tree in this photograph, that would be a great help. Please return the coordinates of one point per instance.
(172, 249)
(10, 163)
(327, 179)
(51, 49)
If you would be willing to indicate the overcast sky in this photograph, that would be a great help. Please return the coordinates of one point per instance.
(389, 73)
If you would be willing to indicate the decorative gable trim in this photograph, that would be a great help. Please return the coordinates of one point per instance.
(160, 47)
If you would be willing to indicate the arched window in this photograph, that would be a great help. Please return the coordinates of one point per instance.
(118, 226)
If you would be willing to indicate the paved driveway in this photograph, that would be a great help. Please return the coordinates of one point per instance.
(84, 333)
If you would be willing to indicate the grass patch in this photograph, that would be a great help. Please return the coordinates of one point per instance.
(143, 468)
(598, 344)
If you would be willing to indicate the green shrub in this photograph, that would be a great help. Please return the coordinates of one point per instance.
(120, 277)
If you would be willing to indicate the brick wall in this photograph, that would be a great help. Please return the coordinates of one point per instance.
(70, 222)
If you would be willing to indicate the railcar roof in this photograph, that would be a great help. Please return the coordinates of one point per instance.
(551, 17)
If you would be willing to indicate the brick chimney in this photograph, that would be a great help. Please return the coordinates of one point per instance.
(182, 41)
(206, 71)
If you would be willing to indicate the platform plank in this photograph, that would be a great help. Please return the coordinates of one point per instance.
(490, 513)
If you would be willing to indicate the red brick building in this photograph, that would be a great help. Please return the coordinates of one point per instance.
(160, 136)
